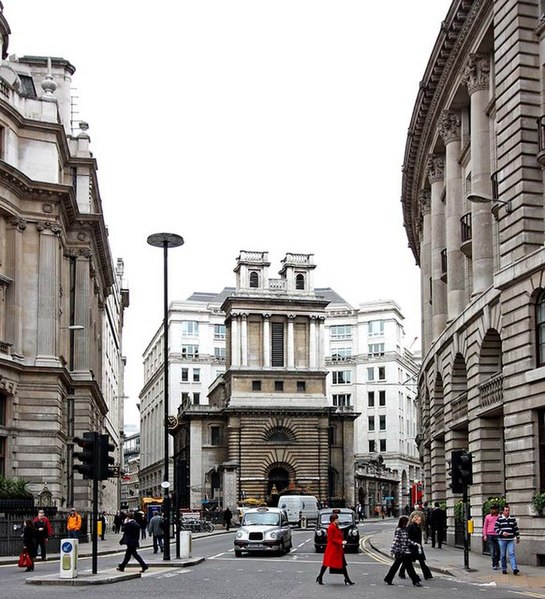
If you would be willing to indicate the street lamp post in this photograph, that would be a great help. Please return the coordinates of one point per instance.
(166, 241)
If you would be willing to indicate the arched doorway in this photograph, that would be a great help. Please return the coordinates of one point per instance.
(279, 479)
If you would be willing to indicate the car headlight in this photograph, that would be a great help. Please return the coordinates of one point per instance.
(239, 534)
(354, 532)
(319, 533)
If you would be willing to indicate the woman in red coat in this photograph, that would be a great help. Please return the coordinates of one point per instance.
(334, 551)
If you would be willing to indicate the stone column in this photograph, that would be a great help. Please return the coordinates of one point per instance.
(436, 174)
(82, 308)
(313, 363)
(266, 340)
(47, 294)
(425, 269)
(477, 78)
(15, 292)
(244, 339)
(320, 358)
(235, 343)
(449, 128)
(291, 341)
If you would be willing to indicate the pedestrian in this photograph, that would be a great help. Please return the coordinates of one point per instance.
(44, 530)
(334, 552)
(131, 535)
(156, 530)
(227, 517)
(507, 529)
(118, 521)
(104, 522)
(490, 536)
(401, 550)
(29, 542)
(426, 524)
(142, 521)
(438, 524)
(73, 524)
(407, 509)
(414, 530)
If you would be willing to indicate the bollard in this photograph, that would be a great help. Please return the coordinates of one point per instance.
(303, 522)
(185, 544)
(69, 558)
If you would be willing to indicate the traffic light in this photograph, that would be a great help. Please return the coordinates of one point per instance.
(461, 471)
(89, 456)
(105, 460)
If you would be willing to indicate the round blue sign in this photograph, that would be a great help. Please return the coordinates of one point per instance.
(67, 546)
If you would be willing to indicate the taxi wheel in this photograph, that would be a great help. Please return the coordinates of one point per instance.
(281, 548)
(238, 553)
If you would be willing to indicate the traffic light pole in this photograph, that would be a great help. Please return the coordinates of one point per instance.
(465, 500)
(94, 524)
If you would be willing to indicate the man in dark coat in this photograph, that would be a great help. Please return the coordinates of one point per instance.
(131, 538)
(227, 516)
(438, 525)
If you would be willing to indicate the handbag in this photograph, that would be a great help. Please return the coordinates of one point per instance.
(25, 561)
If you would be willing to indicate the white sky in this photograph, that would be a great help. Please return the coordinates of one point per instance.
(276, 126)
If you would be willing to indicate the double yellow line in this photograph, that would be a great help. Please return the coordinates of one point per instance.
(366, 548)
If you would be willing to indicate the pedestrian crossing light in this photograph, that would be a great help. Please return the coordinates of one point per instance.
(106, 461)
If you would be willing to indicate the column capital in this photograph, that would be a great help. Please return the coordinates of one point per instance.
(424, 200)
(450, 125)
(436, 168)
(477, 73)
(291, 316)
(47, 226)
(18, 223)
(266, 315)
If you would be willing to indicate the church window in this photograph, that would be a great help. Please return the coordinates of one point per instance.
(300, 281)
(277, 339)
(254, 279)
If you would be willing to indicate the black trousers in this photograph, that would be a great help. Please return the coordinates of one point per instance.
(425, 570)
(407, 562)
(132, 552)
(41, 545)
(437, 534)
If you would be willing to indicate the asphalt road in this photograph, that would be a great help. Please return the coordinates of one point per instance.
(222, 575)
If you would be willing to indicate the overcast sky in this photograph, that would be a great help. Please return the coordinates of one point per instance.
(276, 126)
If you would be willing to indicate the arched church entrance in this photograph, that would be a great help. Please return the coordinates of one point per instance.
(279, 479)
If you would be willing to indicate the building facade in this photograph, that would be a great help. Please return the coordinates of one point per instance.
(473, 208)
(61, 299)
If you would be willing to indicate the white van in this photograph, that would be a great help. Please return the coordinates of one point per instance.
(299, 506)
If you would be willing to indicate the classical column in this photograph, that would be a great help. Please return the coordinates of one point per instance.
(244, 339)
(266, 340)
(81, 309)
(15, 292)
(436, 174)
(47, 294)
(477, 78)
(291, 341)
(320, 358)
(425, 268)
(235, 342)
(313, 362)
(449, 128)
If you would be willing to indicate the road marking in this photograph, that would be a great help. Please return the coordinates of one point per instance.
(527, 594)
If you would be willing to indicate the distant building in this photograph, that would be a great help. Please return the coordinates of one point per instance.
(61, 298)
(130, 486)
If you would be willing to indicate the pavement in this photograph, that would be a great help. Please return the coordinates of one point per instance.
(450, 560)
(110, 575)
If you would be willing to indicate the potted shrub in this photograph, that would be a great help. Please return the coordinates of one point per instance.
(499, 501)
(14, 494)
(538, 503)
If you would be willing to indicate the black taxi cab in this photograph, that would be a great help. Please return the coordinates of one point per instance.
(347, 524)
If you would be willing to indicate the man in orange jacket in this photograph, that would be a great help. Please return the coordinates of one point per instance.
(73, 524)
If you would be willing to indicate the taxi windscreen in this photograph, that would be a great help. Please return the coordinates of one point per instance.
(262, 519)
(343, 519)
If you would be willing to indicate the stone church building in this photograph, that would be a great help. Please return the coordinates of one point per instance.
(268, 426)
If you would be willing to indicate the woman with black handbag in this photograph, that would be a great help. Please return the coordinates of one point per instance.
(401, 550)
(414, 530)
(29, 544)
(334, 552)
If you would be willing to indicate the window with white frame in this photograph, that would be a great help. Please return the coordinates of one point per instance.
(219, 331)
(370, 374)
(371, 423)
(382, 444)
(382, 398)
(341, 399)
(341, 377)
(382, 422)
(375, 349)
(196, 399)
(185, 375)
(190, 328)
(372, 446)
(371, 399)
(340, 331)
(219, 352)
(382, 373)
(190, 351)
(196, 375)
(338, 354)
(375, 328)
